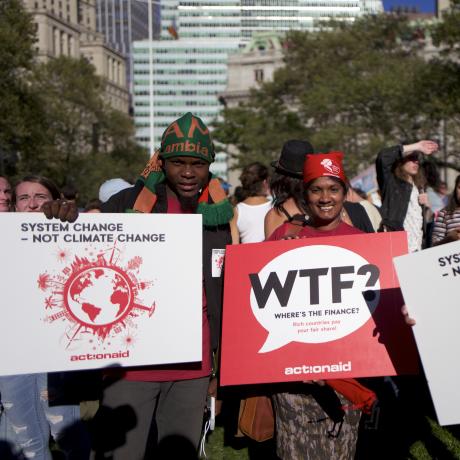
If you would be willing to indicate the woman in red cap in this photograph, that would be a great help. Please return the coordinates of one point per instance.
(310, 421)
(325, 191)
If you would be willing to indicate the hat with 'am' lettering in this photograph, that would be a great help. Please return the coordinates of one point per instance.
(187, 136)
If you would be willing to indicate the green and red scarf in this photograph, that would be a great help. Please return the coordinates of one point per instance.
(187, 136)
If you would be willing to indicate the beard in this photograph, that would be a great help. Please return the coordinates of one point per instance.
(188, 204)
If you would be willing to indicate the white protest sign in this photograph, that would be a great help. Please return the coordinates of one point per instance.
(430, 283)
(107, 290)
(335, 306)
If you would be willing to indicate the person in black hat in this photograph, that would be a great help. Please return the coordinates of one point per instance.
(286, 186)
(287, 189)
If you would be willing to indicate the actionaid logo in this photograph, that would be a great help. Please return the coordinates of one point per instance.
(330, 166)
(313, 294)
(97, 299)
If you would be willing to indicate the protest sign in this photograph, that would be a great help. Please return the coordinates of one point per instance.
(314, 308)
(102, 291)
(430, 283)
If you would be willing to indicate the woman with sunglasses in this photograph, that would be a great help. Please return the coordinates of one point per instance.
(401, 184)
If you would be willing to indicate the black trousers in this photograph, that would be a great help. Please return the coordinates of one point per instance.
(140, 420)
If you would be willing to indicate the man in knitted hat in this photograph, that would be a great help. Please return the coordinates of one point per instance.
(169, 401)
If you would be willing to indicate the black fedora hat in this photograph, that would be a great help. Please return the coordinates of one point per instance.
(292, 157)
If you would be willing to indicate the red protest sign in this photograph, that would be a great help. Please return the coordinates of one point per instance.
(313, 308)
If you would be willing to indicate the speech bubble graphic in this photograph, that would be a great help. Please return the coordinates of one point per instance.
(313, 294)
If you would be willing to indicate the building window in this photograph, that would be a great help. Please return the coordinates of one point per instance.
(70, 45)
(55, 41)
(259, 75)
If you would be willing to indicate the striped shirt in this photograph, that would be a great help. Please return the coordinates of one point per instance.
(444, 223)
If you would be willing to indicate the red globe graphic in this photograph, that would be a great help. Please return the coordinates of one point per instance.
(98, 296)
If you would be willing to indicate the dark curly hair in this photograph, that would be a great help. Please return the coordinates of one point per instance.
(252, 179)
(284, 187)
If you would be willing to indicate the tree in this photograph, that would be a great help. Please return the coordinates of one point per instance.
(446, 82)
(55, 120)
(21, 123)
(353, 87)
(87, 142)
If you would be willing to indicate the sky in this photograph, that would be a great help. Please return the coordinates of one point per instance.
(424, 6)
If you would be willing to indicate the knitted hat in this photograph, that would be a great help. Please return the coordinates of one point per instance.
(324, 164)
(188, 136)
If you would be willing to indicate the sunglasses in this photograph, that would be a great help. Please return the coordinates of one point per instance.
(412, 157)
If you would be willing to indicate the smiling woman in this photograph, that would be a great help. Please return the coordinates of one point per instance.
(325, 197)
(31, 414)
(310, 420)
(32, 192)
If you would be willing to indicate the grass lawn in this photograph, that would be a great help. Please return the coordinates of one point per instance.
(436, 443)
(215, 449)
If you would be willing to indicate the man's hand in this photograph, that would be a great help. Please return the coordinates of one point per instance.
(66, 211)
(427, 147)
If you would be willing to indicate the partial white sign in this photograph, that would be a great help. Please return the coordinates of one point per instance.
(106, 290)
(335, 296)
(430, 283)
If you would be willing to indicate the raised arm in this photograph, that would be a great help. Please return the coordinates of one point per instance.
(384, 163)
(425, 146)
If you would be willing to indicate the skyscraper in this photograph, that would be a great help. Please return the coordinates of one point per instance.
(68, 28)
(189, 60)
(124, 21)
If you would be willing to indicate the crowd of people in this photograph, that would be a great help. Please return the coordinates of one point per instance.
(157, 412)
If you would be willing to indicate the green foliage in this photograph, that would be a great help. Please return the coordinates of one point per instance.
(21, 120)
(351, 87)
(55, 119)
(447, 32)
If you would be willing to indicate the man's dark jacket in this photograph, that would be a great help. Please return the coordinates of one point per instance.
(213, 238)
(395, 191)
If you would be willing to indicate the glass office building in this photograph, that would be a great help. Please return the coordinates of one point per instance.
(124, 21)
(189, 59)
